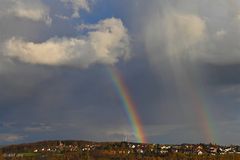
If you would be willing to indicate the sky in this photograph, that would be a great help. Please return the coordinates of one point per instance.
(178, 59)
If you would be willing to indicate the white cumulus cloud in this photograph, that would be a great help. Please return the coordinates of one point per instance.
(185, 30)
(173, 35)
(33, 10)
(105, 43)
(77, 5)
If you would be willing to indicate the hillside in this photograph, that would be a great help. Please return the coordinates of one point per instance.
(74, 150)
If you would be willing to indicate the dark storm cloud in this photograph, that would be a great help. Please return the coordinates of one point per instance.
(54, 102)
(181, 35)
(222, 74)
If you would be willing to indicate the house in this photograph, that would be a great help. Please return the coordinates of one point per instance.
(200, 152)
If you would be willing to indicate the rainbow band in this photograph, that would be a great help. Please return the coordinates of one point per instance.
(199, 106)
(128, 104)
(203, 115)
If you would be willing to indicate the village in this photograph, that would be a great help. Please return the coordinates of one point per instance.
(118, 149)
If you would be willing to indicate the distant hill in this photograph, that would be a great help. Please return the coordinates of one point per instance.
(51, 143)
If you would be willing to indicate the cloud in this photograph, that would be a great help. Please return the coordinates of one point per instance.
(62, 17)
(230, 89)
(38, 128)
(176, 34)
(221, 33)
(183, 31)
(187, 31)
(77, 5)
(4, 137)
(104, 43)
(32, 10)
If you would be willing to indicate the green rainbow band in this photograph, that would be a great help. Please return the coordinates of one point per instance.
(203, 114)
(128, 104)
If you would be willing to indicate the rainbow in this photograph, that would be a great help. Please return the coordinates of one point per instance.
(203, 114)
(198, 104)
(128, 104)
